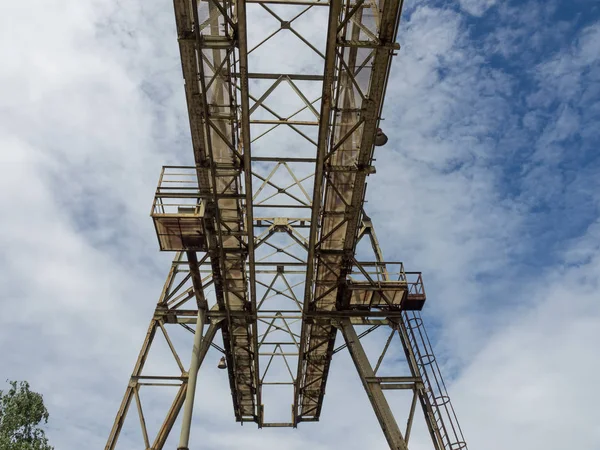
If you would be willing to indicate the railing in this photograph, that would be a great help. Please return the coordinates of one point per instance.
(389, 271)
(177, 192)
(414, 281)
(380, 284)
(178, 211)
(378, 272)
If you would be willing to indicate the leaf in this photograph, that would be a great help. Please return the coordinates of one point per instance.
(21, 413)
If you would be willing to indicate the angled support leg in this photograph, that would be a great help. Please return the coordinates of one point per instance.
(367, 376)
(129, 393)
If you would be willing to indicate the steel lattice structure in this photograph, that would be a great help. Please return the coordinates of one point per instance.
(265, 224)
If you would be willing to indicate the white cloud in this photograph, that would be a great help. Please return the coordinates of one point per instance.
(92, 105)
(537, 371)
(476, 7)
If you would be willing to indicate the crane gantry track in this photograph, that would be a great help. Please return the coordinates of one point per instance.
(265, 224)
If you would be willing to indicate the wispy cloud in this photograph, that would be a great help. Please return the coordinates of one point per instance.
(476, 7)
(489, 184)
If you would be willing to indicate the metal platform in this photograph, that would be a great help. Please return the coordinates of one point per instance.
(178, 211)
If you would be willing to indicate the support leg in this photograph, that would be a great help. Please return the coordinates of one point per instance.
(165, 429)
(192, 378)
(378, 401)
(139, 365)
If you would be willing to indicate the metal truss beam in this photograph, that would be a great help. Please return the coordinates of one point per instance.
(157, 382)
(208, 52)
(279, 284)
(340, 177)
(305, 369)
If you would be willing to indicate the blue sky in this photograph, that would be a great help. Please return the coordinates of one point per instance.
(489, 185)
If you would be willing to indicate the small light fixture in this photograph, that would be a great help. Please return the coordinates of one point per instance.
(380, 138)
(222, 364)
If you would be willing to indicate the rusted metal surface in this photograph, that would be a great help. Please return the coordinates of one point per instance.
(174, 294)
(344, 160)
(266, 222)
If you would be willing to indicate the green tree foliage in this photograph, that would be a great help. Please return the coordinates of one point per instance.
(21, 412)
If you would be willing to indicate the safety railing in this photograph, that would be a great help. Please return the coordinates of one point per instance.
(415, 283)
(378, 272)
(386, 285)
(177, 192)
(177, 210)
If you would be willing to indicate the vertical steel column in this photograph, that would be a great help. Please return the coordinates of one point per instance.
(165, 429)
(191, 387)
(378, 401)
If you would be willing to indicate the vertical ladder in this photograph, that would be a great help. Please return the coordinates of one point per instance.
(436, 400)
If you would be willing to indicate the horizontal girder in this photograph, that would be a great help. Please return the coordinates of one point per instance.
(208, 56)
(344, 157)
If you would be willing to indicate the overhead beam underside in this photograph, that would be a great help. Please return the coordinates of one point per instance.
(213, 112)
(343, 162)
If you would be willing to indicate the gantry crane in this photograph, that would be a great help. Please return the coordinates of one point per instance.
(266, 223)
